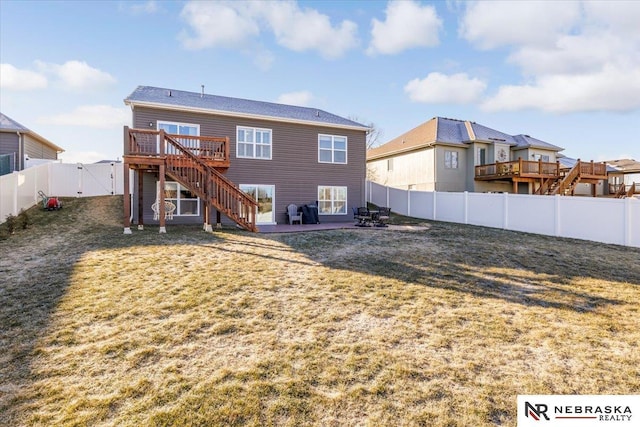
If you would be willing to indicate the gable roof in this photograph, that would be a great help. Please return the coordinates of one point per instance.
(441, 130)
(624, 165)
(214, 104)
(7, 124)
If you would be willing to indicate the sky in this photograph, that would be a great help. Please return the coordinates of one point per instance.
(567, 73)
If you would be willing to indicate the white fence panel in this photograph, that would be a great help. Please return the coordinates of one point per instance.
(486, 209)
(420, 203)
(613, 221)
(377, 194)
(19, 190)
(450, 207)
(64, 180)
(532, 214)
(398, 198)
(601, 220)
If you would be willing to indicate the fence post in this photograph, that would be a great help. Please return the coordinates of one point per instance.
(387, 202)
(627, 221)
(556, 213)
(435, 211)
(465, 204)
(408, 202)
(505, 219)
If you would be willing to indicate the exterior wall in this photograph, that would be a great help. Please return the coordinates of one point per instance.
(8, 142)
(414, 170)
(294, 169)
(450, 179)
(38, 150)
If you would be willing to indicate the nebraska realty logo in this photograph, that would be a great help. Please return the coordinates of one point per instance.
(578, 410)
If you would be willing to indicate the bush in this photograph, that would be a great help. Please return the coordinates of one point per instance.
(24, 220)
(11, 222)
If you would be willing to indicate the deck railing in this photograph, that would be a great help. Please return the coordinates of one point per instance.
(146, 142)
(518, 168)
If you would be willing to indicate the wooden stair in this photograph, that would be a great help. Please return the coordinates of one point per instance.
(209, 184)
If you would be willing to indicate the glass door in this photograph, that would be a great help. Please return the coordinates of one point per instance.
(265, 196)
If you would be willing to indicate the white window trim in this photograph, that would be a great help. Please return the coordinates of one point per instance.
(254, 143)
(333, 150)
(346, 200)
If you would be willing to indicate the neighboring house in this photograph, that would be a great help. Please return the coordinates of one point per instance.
(203, 149)
(18, 144)
(624, 177)
(445, 154)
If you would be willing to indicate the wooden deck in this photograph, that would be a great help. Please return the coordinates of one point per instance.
(545, 174)
(196, 162)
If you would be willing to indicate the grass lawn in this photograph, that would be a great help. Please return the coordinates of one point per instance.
(443, 326)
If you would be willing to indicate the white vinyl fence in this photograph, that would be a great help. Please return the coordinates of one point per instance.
(606, 220)
(19, 190)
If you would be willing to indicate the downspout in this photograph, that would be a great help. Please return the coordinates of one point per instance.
(20, 150)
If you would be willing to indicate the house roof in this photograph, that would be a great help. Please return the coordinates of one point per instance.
(624, 165)
(214, 104)
(7, 124)
(441, 130)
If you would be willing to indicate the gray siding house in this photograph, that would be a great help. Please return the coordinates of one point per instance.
(278, 154)
(445, 154)
(18, 143)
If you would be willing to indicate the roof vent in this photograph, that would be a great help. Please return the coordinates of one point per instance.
(202, 93)
(317, 113)
(169, 93)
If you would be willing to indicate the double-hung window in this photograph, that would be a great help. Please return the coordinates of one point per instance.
(332, 200)
(253, 143)
(332, 149)
(451, 160)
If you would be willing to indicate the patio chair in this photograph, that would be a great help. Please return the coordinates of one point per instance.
(383, 217)
(294, 215)
(363, 216)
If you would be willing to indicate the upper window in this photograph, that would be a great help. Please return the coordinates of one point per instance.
(253, 143)
(542, 157)
(451, 159)
(186, 129)
(332, 149)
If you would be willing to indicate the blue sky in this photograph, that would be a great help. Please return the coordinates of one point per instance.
(567, 73)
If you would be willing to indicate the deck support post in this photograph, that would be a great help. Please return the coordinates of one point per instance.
(126, 202)
(218, 220)
(140, 201)
(161, 207)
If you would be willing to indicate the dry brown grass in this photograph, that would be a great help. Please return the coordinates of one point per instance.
(439, 327)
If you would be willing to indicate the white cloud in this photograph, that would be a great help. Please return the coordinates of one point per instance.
(490, 24)
(237, 24)
(16, 79)
(225, 24)
(78, 74)
(612, 89)
(407, 25)
(302, 98)
(573, 56)
(94, 116)
(439, 88)
(301, 30)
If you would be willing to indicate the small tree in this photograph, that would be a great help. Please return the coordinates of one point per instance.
(23, 220)
(11, 222)
(374, 135)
